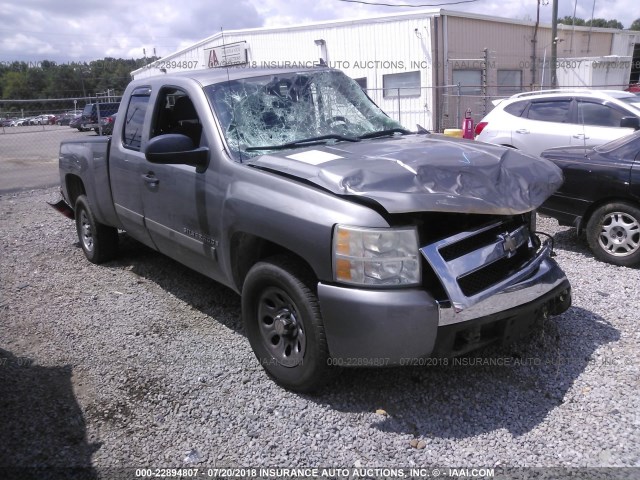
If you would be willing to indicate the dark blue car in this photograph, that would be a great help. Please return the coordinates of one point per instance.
(601, 196)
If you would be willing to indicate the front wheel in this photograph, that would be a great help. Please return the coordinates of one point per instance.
(99, 242)
(284, 326)
(613, 233)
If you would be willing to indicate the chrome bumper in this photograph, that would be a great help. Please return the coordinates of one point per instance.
(545, 278)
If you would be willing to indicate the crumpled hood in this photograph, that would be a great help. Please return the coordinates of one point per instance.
(425, 173)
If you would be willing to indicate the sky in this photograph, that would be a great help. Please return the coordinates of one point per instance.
(84, 30)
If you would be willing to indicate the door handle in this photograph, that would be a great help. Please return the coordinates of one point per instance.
(580, 136)
(151, 179)
(522, 130)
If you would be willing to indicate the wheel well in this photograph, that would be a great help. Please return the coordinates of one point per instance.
(247, 250)
(75, 188)
(595, 205)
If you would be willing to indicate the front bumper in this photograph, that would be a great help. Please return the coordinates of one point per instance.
(389, 327)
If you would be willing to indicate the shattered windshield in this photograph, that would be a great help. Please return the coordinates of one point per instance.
(291, 110)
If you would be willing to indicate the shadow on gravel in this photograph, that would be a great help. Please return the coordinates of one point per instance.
(570, 241)
(42, 429)
(513, 387)
(202, 293)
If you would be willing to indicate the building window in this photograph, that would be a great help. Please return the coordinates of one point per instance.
(362, 82)
(509, 82)
(470, 81)
(406, 84)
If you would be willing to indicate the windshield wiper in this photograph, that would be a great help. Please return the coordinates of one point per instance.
(384, 133)
(304, 142)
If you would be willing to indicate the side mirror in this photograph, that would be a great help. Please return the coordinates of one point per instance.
(176, 149)
(630, 122)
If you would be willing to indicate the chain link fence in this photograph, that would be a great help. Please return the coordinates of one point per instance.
(434, 108)
(31, 130)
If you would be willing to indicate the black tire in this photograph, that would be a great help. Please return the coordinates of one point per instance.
(99, 242)
(613, 233)
(284, 326)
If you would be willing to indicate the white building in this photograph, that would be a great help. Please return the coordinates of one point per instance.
(423, 67)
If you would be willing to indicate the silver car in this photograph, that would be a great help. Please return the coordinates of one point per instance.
(535, 121)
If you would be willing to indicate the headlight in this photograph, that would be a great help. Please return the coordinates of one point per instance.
(376, 256)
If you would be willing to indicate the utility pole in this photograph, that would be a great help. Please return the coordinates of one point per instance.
(554, 44)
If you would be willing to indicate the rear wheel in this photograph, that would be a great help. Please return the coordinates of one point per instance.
(613, 233)
(282, 319)
(99, 242)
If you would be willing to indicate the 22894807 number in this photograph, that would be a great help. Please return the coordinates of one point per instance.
(166, 472)
(174, 64)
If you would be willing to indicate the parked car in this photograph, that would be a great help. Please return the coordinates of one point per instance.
(20, 122)
(94, 112)
(76, 122)
(107, 124)
(65, 118)
(536, 121)
(601, 196)
(44, 119)
(7, 122)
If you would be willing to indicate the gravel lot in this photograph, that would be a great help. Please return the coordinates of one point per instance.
(143, 363)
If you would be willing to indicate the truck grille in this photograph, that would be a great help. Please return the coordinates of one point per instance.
(474, 264)
(490, 275)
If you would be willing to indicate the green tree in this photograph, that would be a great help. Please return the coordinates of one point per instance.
(597, 22)
(47, 79)
(635, 25)
(14, 86)
(569, 20)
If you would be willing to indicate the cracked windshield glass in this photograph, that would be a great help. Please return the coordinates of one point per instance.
(291, 110)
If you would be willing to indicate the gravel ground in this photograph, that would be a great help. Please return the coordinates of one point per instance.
(143, 363)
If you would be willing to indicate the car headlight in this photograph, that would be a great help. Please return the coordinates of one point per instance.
(376, 256)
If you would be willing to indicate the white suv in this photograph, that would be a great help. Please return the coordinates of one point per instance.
(535, 121)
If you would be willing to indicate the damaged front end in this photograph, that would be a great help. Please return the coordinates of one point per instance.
(496, 280)
(475, 271)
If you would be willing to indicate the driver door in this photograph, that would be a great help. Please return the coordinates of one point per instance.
(179, 205)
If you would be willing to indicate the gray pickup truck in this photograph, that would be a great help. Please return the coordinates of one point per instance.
(351, 240)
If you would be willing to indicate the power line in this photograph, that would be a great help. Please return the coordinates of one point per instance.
(380, 4)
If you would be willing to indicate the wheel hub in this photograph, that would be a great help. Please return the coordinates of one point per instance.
(282, 332)
(618, 234)
(285, 323)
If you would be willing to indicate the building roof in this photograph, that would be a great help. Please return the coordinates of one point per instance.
(423, 13)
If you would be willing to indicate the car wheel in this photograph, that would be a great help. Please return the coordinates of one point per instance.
(284, 326)
(99, 242)
(613, 233)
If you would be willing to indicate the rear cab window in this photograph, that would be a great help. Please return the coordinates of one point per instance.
(134, 118)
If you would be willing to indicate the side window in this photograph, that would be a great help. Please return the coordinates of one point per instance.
(591, 113)
(134, 118)
(556, 111)
(175, 113)
(516, 108)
